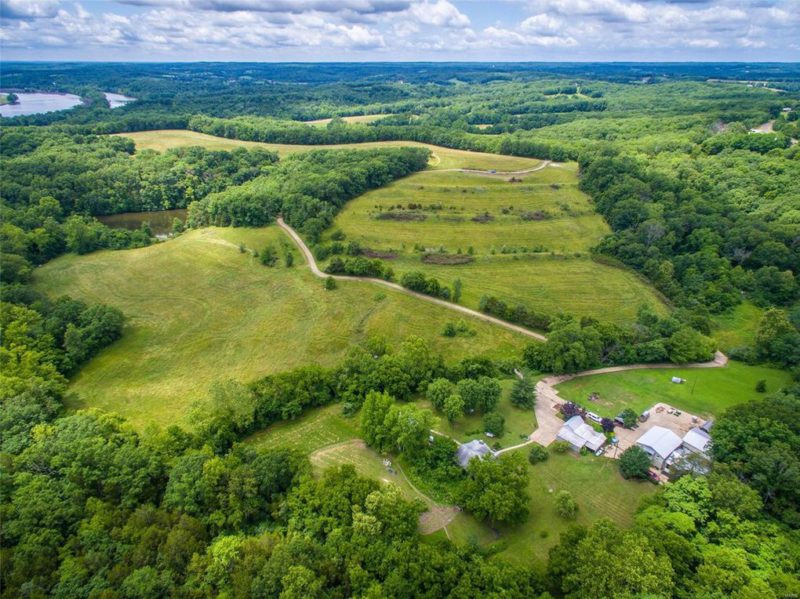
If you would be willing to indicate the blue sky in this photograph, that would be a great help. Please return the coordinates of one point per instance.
(368, 30)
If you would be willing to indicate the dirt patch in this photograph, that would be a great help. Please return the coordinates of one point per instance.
(535, 215)
(402, 216)
(482, 218)
(378, 254)
(447, 259)
(436, 517)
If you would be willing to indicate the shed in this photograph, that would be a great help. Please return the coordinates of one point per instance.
(697, 440)
(579, 434)
(474, 449)
(659, 443)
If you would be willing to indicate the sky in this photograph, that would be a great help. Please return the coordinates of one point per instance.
(401, 30)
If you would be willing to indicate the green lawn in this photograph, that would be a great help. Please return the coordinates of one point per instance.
(737, 328)
(198, 310)
(314, 430)
(165, 139)
(595, 484)
(706, 392)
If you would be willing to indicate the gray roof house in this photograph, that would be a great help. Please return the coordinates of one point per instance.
(579, 434)
(659, 443)
(473, 449)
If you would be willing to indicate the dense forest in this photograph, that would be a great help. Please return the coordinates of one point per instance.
(703, 208)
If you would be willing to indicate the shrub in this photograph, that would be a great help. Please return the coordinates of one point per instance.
(629, 418)
(761, 386)
(537, 454)
(268, 256)
(523, 394)
(560, 447)
(634, 463)
(566, 506)
(330, 283)
(494, 423)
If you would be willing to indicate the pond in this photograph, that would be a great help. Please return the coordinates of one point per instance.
(160, 220)
(38, 103)
(117, 100)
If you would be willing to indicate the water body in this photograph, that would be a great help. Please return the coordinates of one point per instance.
(160, 220)
(38, 103)
(117, 100)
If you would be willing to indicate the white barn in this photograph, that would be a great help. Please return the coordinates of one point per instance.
(659, 443)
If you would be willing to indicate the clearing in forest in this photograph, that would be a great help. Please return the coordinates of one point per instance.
(198, 310)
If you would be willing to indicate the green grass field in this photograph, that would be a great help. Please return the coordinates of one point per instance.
(360, 118)
(706, 392)
(595, 484)
(738, 328)
(570, 223)
(442, 157)
(198, 310)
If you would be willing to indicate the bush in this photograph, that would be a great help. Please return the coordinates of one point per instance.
(761, 386)
(560, 447)
(268, 256)
(523, 394)
(634, 463)
(537, 454)
(494, 423)
(566, 506)
(330, 283)
(629, 418)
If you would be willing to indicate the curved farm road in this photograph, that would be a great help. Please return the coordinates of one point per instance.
(548, 399)
(312, 263)
(473, 171)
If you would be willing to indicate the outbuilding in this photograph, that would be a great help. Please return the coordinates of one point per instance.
(579, 435)
(659, 443)
(697, 441)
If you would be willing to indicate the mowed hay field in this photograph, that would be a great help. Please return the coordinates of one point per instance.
(442, 158)
(549, 272)
(360, 118)
(198, 310)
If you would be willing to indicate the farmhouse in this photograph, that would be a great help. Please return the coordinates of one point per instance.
(579, 435)
(659, 443)
(474, 449)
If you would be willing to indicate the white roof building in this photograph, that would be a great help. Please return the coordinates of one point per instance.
(697, 440)
(659, 443)
(473, 449)
(579, 434)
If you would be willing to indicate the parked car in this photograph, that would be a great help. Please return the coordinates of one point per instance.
(593, 416)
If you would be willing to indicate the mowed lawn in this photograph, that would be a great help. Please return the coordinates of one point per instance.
(442, 158)
(594, 482)
(707, 391)
(451, 200)
(198, 310)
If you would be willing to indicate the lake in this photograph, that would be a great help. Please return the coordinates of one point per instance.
(117, 100)
(160, 220)
(39, 103)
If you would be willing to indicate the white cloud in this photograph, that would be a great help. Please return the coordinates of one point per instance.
(440, 13)
(541, 23)
(28, 9)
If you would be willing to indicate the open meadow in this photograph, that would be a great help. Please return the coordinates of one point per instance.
(707, 392)
(199, 310)
(442, 158)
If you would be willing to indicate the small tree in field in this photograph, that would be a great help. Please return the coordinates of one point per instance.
(494, 423)
(566, 506)
(537, 454)
(523, 395)
(288, 258)
(634, 463)
(330, 283)
(268, 256)
(453, 408)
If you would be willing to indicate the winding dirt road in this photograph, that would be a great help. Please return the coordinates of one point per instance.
(474, 171)
(312, 263)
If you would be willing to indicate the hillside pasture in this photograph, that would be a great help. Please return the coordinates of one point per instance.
(199, 310)
(359, 118)
(442, 158)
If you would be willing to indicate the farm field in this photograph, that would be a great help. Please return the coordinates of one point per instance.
(199, 310)
(738, 328)
(443, 158)
(359, 118)
(706, 392)
(549, 270)
(594, 482)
